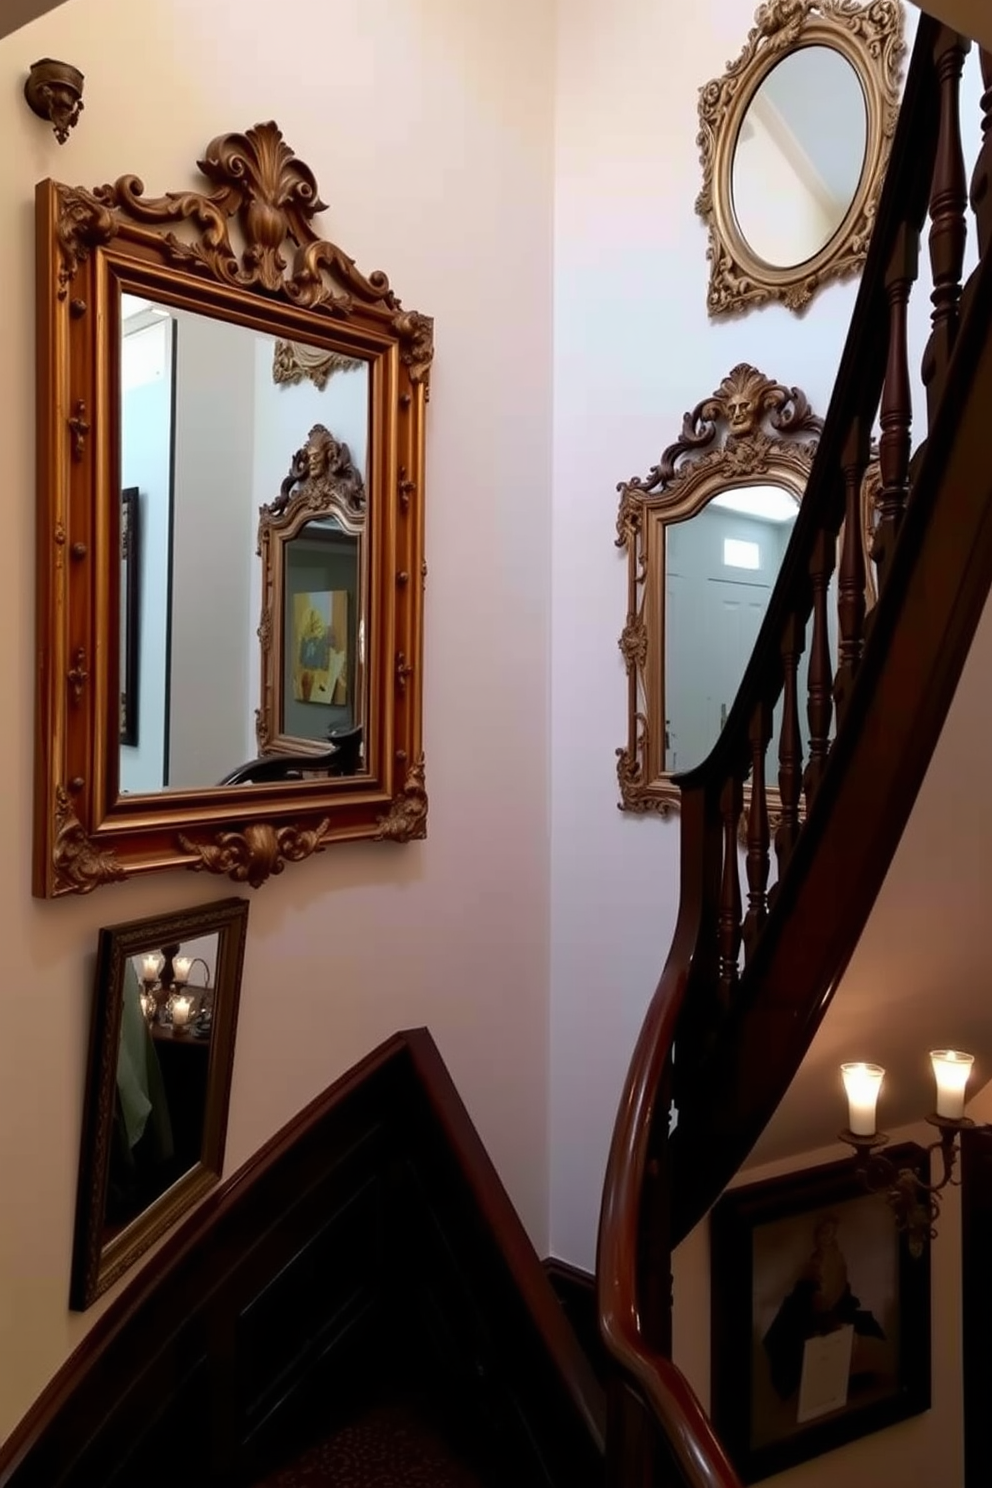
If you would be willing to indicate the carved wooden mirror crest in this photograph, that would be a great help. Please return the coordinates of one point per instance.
(187, 343)
(705, 532)
(794, 141)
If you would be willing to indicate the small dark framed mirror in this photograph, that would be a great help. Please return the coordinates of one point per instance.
(158, 1083)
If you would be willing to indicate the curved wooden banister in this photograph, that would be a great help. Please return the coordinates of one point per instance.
(671, 1400)
(741, 998)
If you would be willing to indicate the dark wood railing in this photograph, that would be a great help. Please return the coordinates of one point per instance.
(748, 980)
(368, 1248)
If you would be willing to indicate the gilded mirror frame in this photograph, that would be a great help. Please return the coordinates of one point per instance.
(244, 250)
(322, 482)
(97, 1263)
(750, 429)
(870, 37)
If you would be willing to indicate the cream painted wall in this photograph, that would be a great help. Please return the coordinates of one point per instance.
(633, 350)
(404, 112)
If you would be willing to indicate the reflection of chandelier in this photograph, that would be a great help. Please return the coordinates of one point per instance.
(167, 1000)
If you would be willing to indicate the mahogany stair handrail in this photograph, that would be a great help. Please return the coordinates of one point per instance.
(739, 1032)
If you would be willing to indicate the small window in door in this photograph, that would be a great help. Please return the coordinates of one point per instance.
(740, 554)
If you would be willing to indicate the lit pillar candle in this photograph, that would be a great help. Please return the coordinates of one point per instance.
(862, 1082)
(149, 967)
(180, 969)
(951, 1069)
(181, 1008)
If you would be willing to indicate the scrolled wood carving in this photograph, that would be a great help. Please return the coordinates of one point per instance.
(322, 478)
(406, 820)
(79, 866)
(274, 197)
(292, 363)
(869, 36)
(84, 222)
(750, 428)
(260, 852)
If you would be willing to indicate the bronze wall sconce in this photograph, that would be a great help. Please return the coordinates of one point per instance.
(54, 91)
(915, 1204)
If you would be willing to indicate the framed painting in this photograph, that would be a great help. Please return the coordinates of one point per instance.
(820, 1316)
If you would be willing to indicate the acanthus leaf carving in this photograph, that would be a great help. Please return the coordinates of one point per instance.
(293, 363)
(322, 478)
(84, 222)
(416, 333)
(634, 643)
(259, 852)
(406, 820)
(745, 400)
(79, 866)
(274, 196)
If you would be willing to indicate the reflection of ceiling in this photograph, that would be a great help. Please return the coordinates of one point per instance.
(137, 314)
(817, 97)
(764, 503)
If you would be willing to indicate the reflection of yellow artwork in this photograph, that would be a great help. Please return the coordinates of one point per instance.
(320, 647)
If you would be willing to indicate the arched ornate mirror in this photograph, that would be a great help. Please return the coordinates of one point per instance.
(311, 540)
(794, 140)
(705, 532)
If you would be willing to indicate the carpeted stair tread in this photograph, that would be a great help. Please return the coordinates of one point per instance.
(391, 1446)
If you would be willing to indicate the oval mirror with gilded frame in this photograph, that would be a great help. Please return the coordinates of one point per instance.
(187, 344)
(794, 141)
(705, 532)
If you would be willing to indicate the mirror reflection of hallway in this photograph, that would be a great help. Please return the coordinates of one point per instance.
(720, 569)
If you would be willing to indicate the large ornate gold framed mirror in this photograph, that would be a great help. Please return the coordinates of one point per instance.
(794, 141)
(158, 1082)
(705, 532)
(191, 348)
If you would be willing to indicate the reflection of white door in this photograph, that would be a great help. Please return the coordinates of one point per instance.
(733, 615)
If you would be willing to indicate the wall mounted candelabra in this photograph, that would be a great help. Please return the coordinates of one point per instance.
(915, 1204)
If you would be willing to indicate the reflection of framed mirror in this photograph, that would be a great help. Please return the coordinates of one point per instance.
(705, 533)
(187, 344)
(794, 141)
(311, 540)
(158, 1083)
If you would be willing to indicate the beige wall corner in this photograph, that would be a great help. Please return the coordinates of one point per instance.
(17, 13)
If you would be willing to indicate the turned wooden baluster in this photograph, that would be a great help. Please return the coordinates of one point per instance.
(819, 685)
(729, 925)
(790, 746)
(896, 415)
(948, 230)
(758, 834)
(981, 181)
(851, 580)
